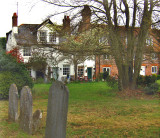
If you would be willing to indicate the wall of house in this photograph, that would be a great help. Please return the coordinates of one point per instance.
(148, 68)
(146, 65)
(11, 42)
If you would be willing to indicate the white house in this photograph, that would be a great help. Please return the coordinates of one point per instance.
(31, 37)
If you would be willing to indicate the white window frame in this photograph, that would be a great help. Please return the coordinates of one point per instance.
(154, 69)
(66, 70)
(27, 51)
(106, 68)
(80, 71)
(52, 37)
(42, 37)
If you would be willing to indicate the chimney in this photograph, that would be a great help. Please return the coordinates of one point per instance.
(66, 24)
(86, 18)
(14, 19)
(15, 23)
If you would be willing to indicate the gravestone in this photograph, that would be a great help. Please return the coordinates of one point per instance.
(26, 110)
(37, 116)
(57, 111)
(13, 103)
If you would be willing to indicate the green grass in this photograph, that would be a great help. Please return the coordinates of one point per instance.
(95, 110)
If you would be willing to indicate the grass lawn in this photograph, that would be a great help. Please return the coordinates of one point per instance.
(95, 110)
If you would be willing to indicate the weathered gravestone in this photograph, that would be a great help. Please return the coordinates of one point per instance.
(26, 110)
(13, 103)
(57, 111)
(37, 116)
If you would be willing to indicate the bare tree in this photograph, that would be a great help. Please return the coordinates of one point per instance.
(130, 14)
(82, 46)
(43, 59)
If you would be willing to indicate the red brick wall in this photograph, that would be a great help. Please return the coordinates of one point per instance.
(114, 70)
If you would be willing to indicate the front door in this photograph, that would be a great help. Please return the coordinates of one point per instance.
(89, 73)
(142, 71)
(39, 74)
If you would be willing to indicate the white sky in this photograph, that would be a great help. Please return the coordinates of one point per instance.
(29, 11)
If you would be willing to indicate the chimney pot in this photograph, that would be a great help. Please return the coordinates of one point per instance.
(15, 14)
(66, 24)
(14, 20)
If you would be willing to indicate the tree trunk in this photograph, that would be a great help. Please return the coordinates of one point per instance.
(75, 71)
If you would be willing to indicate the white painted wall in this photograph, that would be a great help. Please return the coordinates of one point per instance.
(11, 43)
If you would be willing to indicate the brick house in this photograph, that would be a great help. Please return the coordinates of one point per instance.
(150, 64)
(36, 34)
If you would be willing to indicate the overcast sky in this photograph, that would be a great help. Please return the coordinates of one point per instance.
(29, 11)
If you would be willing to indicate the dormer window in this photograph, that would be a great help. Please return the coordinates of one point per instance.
(47, 37)
(43, 36)
(52, 37)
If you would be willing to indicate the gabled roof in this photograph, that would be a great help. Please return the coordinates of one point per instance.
(32, 27)
(27, 33)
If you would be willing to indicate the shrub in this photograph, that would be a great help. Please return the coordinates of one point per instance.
(105, 75)
(7, 78)
(111, 81)
(154, 78)
(158, 77)
(100, 77)
(146, 80)
(140, 80)
(152, 89)
(12, 72)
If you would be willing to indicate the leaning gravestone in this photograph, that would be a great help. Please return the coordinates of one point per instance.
(57, 111)
(13, 103)
(26, 110)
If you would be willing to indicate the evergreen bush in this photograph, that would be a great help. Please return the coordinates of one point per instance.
(105, 75)
(152, 89)
(12, 72)
(146, 80)
(158, 77)
(112, 82)
(140, 80)
(7, 78)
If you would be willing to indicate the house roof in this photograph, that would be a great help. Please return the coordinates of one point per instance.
(27, 33)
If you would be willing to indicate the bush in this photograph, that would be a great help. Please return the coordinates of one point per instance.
(111, 81)
(154, 78)
(12, 72)
(100, 76)
(105, 75)
(140, 80)
(146, 80)
(7, 78)
(158, 77)
(152, 89)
